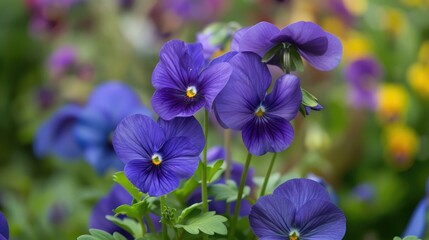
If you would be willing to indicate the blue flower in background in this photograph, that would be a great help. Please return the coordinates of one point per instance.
(108, 104)
(244, 104)
(298, 209)
(182, 84)
(56, 135)
(157, 155)
(105, 206)
(216, 153)
(75, 132)
(4, 227)
(418, 222)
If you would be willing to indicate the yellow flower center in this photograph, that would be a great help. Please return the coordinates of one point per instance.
(191, 92)
(156, 159)
(260, 111)
(294, 235)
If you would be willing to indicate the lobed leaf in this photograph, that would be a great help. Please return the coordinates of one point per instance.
(208, 223)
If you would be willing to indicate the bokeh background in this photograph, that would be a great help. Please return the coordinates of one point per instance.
(370, 142)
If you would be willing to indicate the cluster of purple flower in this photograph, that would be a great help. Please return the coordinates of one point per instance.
(159, 154)
(235, 85)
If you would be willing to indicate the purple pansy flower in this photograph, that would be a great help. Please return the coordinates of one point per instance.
(108, 104)
(157, 155)
(62, 60)
(183, 86)
(321, 49)
(56, 136)
(298, 209)
(116, 197)
(418, 222)
(245, 105)
(4, 227)
(363, 76)
(216, 153)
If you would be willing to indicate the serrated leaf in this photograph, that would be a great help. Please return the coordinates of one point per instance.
(208, 223)
(129, 225)
(407, 238)
(100, 234)
(120, 178)
(188, 210)
(227, 191)
(96, 234)
(308, 99)
(86, 237)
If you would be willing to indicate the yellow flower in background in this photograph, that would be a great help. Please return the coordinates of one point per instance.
(401, 145)
(392, 102)
(424, 52)
(355, 46)
(357, 8)
(334, 25)
(393, 21)
(415, 3)
(418, 77)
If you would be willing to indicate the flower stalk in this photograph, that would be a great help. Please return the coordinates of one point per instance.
(239, 196)
(267, 176)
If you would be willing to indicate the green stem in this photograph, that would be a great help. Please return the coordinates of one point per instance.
(227, 145)
(150, 223)
(204, 168)
(164, 225)
(267, 176)
(143, 226)
(239, 196)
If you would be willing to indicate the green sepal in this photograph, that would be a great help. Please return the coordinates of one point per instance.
(120, 178)
(296, 63)
(308, 99)
(227, 191)
(208, 223)
(272, 53)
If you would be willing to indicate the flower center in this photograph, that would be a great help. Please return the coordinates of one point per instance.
(294, 235)
(191, 92)
(260, 111)
(156, 159)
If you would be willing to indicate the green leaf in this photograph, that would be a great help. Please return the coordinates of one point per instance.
(188, 210)
(214, 171)
(407, 238)
(208, 223)
(228, 191)
(308, 99)
(275, 180)
(118, 236)
(188, 188)
(120, 178)
(96, 234)
(129, 225)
